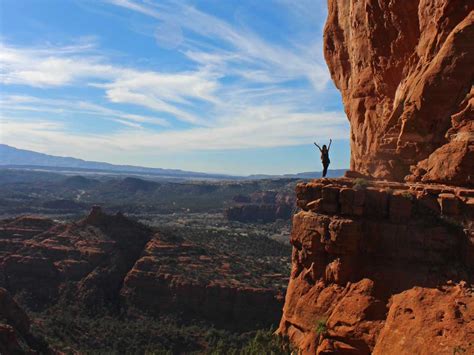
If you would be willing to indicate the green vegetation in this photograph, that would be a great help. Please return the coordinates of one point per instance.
(69, 330)
(253, 259)
(408, 195)
(321, 326)
(46, 193)
(360, 184)
(254, 255)
(459, 350)
(264, 342)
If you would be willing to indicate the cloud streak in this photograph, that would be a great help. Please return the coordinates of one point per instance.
(63, 66)
(239, 90)
(244, 46)
(285, 130)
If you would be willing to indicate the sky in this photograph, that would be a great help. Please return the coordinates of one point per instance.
(236, 86)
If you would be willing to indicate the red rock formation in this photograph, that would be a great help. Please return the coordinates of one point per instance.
(184, 278)
(361, 254)
(375, 264)
(437, 321)
(405, 70)
(265, 206)
(113, 261)
(15, 335)
(94, 253)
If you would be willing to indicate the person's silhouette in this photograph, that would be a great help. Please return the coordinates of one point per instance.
(324, 156)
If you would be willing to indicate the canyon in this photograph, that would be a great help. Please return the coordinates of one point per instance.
(109, 262)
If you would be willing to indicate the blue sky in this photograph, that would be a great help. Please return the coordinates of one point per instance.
(236, 87)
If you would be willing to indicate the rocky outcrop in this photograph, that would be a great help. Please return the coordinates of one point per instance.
(15, 335)
(387, 267)
(112, 261)
(405, 70)
(183, 278)
(438, 321)
(370, 256)
(264, 206)
(94, 254)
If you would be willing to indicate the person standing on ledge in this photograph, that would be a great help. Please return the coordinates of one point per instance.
(324, 156)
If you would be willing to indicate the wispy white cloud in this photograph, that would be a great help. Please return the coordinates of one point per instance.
(280, 63)
(239, 89)
(283, 129)
(23, 103)
(61, 66)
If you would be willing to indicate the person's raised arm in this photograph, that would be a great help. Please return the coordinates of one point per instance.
(318, 146)
(330, 141)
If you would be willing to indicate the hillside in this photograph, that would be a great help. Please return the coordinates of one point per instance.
(11, 156)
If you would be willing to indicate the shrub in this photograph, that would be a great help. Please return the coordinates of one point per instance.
(321, 326)
(408, 195)
(458, 350)
(360, 183)
(263, 342)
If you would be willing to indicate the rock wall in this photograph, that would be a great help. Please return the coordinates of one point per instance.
(182, 278)
(258, 213)
(265, 206)
(378, 266)
(406, 72)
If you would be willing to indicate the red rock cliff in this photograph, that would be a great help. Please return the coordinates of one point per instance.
(382, 269)
(405, 70)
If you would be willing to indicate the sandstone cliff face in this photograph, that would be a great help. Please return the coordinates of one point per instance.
(405, 70)
(181, 277)
(265, 206)
(384, 269)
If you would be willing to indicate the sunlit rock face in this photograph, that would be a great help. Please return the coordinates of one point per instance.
(405, 70)
(384, 268)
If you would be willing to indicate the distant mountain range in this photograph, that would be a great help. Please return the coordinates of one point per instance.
(26, 159)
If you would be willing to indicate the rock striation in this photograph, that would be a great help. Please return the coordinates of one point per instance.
(383, 267)
(184, 278)
(405, 70)
(379, 266)
(264, 206)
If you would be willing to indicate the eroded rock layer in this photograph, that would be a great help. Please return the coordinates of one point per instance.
(381, 268)
(405, 70)
(112, 261)
(265, 206)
